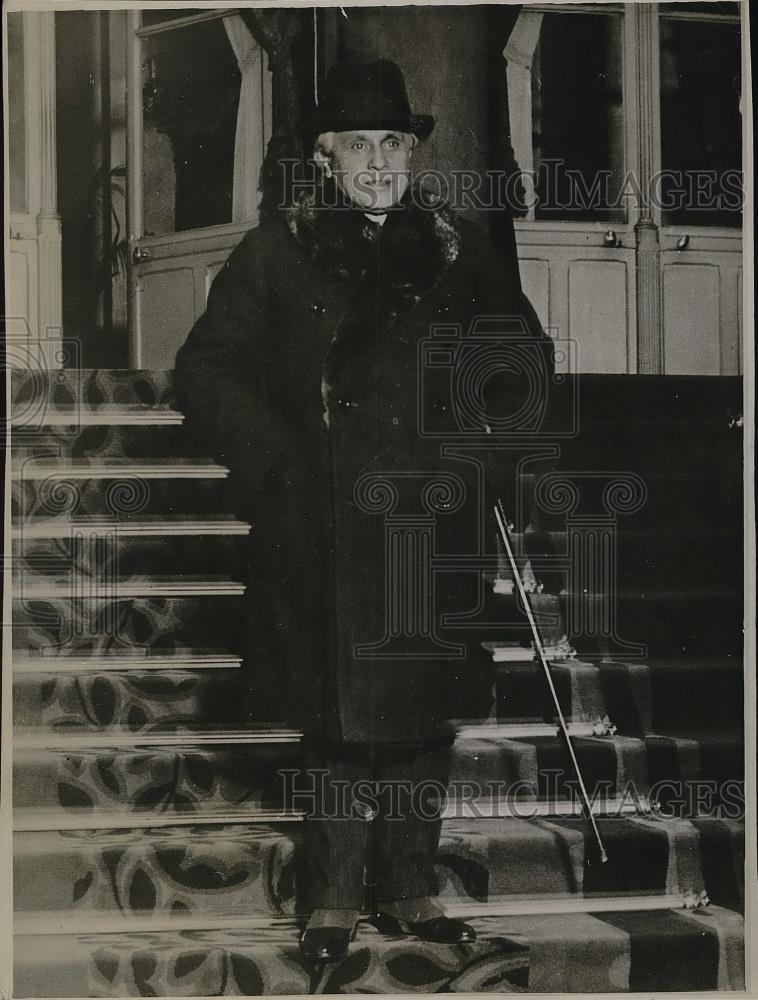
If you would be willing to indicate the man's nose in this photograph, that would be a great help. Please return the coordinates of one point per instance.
(377, 159)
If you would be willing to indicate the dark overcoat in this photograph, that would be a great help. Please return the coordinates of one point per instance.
(305, 377)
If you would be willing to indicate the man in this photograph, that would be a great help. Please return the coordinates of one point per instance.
(303, 377)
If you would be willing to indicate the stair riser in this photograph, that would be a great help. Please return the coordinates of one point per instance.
(540, 768)
(120, 496)
(93, 386)
(643, 699)
(648, 561)
(114, 554)
(638, 698)
(170, 780)
(80, 440)
(239, 871)
(672, 447)
(691, 502)
(523, 694)
(662, 624)
(148, 624)
(133, 701)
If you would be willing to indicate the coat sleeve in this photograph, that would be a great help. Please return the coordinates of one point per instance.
(501, 298)
(224, 373)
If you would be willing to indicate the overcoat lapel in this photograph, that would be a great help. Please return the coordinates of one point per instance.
(388, 270)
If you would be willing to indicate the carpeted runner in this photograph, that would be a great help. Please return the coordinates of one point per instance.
(671, 954)
(722, 850)
(134, 700)
(562, 953)
(263, 961)
(234, 870)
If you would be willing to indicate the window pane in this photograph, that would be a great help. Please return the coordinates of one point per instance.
(710, 7)
(151, 17)
(700, 122)
(190, 89)
(577, 117)
(16, 113)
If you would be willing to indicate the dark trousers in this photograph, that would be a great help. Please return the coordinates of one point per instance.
(375, 825)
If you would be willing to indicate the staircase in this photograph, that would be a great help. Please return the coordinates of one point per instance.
(154, 853)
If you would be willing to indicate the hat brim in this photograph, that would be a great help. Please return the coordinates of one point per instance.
(419, 125)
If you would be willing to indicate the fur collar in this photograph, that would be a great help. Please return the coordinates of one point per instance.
(419, 240)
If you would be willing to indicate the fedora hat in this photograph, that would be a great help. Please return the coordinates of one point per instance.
(367, 95)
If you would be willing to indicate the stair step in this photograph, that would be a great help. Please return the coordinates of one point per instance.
(171, 661)
(34, 819)
(52, 820)
(45, 924)
(192, 772)
(601, 952)
(117, 468)
(79, 415)
(200, 733)
(251, 869)
(69, 587)
(153, 527)
(110, 739)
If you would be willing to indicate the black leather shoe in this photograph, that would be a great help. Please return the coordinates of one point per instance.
(325, 944)
(441, 930)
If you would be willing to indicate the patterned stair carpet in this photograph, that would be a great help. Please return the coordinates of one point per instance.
(601, 952)
(158, 853)
(252, 869)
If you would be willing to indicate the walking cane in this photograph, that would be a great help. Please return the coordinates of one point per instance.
(505, 534)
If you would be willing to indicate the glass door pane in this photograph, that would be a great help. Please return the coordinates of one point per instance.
(190, 96)
(578, 117)
(701, 125)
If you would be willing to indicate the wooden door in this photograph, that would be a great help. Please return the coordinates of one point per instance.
(185, 217)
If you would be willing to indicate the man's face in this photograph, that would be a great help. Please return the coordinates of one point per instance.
(373, 167)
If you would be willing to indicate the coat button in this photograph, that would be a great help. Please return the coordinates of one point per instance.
(318, 308)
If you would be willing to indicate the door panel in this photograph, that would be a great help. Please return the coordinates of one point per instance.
(707, 335)
(166, 300)
(691, 319)
(598, 294)
(583, 291)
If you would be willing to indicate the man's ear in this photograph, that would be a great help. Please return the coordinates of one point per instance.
(322, 155)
